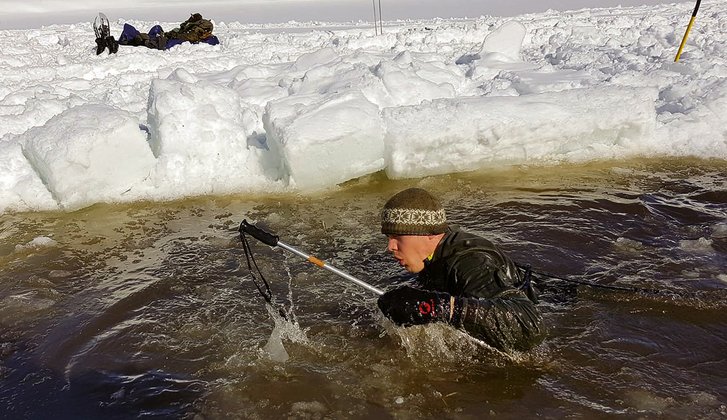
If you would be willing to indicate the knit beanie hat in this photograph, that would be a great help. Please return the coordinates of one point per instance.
(413, 212)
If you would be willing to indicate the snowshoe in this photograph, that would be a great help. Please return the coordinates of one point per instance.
(101, 26)
(102, 29)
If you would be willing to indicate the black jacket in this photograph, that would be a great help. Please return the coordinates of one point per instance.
(485, 282)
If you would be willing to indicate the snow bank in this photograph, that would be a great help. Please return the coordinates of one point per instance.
(301, 110)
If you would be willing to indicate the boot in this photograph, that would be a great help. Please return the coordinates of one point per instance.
(100, 45)
(112, 44)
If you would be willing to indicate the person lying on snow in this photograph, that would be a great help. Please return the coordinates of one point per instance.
(196, 29)
(464, 279)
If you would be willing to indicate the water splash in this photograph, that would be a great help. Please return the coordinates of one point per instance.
(274, 347)
(435, 343)
(284, 329)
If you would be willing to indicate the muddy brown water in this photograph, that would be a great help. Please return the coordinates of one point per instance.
(147, 310)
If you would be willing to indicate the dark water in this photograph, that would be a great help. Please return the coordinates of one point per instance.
(147, 310)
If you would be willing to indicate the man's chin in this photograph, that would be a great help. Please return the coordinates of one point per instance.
(411, 269)
(407, 267)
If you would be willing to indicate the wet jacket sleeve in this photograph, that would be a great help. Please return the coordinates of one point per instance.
(509, 321)
(490, 308)
(481, 284)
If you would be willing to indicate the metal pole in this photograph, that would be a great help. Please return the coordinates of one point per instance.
(381, 24)
(686, 33)
(272, 240)
(373, 3)
(330, 268)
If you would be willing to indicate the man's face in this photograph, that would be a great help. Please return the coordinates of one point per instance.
(412, 250)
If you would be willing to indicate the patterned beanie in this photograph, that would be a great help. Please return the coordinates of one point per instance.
(413, 212)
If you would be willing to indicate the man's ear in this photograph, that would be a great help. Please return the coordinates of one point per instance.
(434, 239)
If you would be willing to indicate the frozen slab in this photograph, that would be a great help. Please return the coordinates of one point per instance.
(463, 134)
(404, 80)
(342, 77)
(504, 43)
(21, 189)
(89, 154)
(205, 138)
(501, 50)
(325, 142)
(409, 81)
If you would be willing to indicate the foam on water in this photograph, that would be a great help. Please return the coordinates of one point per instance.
(701, 245)
(629, 245)
(719, 230)
(38, 242)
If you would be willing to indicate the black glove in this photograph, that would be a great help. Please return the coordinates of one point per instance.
(407, 305)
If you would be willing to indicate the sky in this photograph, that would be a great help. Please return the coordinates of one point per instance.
(24, 14)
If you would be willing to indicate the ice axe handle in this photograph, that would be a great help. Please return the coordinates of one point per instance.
(265, 237)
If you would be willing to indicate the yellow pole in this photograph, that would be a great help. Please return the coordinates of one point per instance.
(686, 33)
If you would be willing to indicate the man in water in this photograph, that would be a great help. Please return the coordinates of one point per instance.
(466, 281)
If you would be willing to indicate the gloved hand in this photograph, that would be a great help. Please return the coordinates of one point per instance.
(407, 305)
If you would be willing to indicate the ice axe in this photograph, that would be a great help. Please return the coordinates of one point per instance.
(274, 241)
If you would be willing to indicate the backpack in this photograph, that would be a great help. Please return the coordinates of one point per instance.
(194, 29)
